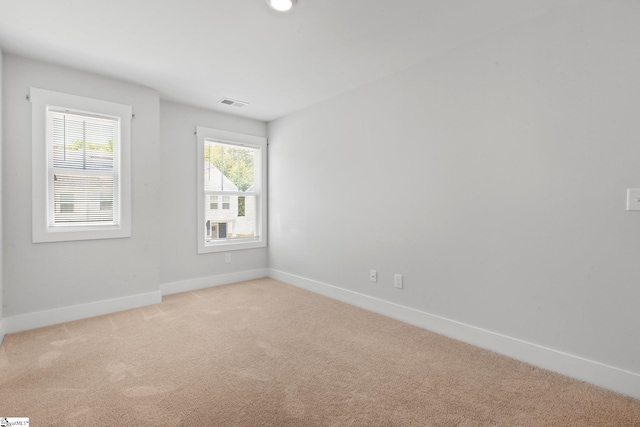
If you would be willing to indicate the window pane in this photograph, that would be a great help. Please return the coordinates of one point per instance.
(213, 179)
(227, 223)
(228, 167)
(213, 204)
(83, 199)
(82, 142)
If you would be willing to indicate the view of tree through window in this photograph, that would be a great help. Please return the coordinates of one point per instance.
(231, 192)
(229, 181)
(241, 205)
(235, 163)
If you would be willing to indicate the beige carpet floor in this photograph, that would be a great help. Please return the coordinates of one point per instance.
(263, 353)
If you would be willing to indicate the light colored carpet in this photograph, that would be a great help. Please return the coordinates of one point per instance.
(262, 353)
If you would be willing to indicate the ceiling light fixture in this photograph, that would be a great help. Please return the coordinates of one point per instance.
(281, 5)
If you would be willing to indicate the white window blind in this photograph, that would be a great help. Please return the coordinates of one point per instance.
(80, 167)
(83, 168)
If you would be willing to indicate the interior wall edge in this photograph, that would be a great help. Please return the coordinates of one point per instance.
(600, 374)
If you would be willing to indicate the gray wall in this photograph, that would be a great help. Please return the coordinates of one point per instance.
(44, 276)
(1, 198)
(179, 259)
(492, 177)
(163, 246)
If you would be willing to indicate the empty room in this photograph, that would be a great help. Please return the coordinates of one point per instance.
(320, 213)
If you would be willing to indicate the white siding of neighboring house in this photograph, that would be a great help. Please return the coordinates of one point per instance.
(236, 226)
(246, 225)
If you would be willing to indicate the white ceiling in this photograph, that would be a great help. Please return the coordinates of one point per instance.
(196, 52)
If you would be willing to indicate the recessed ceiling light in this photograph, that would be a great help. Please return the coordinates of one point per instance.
(281, 5)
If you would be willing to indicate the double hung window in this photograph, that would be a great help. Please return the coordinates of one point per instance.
(231, 191)
(80, 168)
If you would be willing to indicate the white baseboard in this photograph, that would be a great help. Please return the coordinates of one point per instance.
(609, 377)
(24, 322)
(210, 281)
(39, 319)
(3, 331)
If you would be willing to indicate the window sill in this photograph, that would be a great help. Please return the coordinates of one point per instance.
(67, 234)
(214, 246)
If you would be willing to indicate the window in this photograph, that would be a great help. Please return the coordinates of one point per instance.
(81, 182)
(213, 203)
(232, 170)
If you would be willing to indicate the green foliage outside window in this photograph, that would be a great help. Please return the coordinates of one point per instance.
(241, 206)
(236, 163)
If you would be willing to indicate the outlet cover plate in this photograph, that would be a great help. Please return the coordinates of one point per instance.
(373, 276)
(633, 199)
(397, 281)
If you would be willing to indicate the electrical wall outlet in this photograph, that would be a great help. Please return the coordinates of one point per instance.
(397, 281)
(227, 257)
(373, 276)
(633, 199)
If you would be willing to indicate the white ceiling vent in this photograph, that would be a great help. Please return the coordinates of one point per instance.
(233, 102)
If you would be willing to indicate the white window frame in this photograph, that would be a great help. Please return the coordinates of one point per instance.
(259, 188)
(42, 231)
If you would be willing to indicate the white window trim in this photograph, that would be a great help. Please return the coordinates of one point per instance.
(260, 241)
(41, 99)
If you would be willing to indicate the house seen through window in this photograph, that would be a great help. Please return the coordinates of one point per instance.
(229, 169)
(232, 211)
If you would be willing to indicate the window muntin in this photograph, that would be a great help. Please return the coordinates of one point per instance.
(233, 168)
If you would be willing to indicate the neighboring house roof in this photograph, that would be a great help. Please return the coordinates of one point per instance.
(214, 179)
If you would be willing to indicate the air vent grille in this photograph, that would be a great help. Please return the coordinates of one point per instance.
(233, 102)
